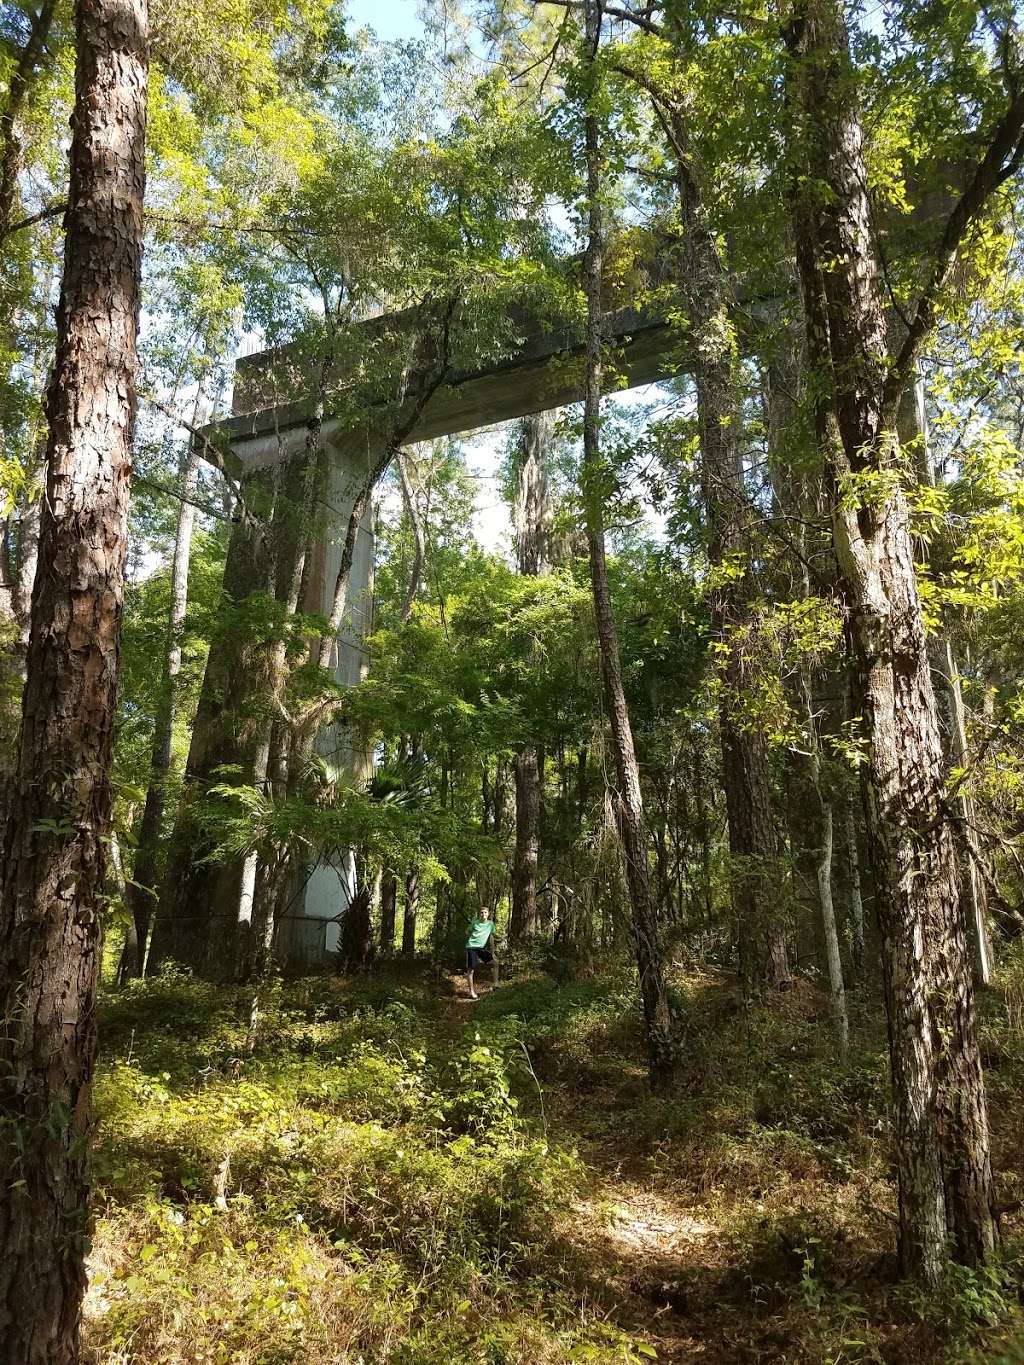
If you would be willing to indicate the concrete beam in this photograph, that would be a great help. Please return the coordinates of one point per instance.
(545, 371)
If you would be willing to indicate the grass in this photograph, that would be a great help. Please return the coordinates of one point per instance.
(387, 1177)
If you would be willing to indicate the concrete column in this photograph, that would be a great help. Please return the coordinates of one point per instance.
(309, 934)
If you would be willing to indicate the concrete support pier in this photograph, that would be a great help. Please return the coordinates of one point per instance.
(307, 936)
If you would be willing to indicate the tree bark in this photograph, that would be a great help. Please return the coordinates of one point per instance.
(855, 897)
(946, 676)
(533, 516)
(54, 845)
(21, 81)
(746, 776)
(940, 1126)
(798, 495)
(29, 524)
(411, 912)
(523, 923)
(658, 1018)
(143, 890)
(533, 502)
(823, 836)
(913, 428)
(388, 904)
(355, 946)
(441, 917)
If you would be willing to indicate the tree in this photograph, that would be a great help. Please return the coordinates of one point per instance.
(941, 1127)
(143, 891)
(54, 846)
(753, 835)
(533, 516)
(20, 84)
(912, 426)
(658, 1019)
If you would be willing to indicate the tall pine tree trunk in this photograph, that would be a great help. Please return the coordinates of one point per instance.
(388, 903)
(940, 1126)
(658, 1018)
(746, 776)
(533, 516)
(54, 846)
(142, 891)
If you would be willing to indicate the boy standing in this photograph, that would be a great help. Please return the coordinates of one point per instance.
(480, 947)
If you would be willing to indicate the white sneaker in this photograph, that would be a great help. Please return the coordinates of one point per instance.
(473, 995)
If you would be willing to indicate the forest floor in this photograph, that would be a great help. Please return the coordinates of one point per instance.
(388, 1172)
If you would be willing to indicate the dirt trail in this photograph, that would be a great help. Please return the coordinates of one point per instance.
(635, 1240)
(640, 1244)
(455, 1009)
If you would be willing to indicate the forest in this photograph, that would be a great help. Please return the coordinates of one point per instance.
(511, 682)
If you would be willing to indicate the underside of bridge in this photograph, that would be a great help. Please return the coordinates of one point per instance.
(542, 370)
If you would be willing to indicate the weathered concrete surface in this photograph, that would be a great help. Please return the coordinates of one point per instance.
(540, 367)
(307, 935)
(543, 370)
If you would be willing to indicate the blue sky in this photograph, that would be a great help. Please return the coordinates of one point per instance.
(390, 18)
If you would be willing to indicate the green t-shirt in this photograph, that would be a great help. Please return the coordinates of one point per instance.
(480, 933)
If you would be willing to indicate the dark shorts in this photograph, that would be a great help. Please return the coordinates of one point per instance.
(475, 955)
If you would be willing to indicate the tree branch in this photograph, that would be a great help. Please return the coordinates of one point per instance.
(1003, 159)
(613, 11)
(643, 21)
(207, 448)
(180, 497)
(51, 211)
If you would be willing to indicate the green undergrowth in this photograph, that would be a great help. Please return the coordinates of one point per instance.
(358, 1186)
(382, 1176)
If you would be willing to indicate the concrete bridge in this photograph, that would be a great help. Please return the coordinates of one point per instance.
(542, 368)
(537, 366)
